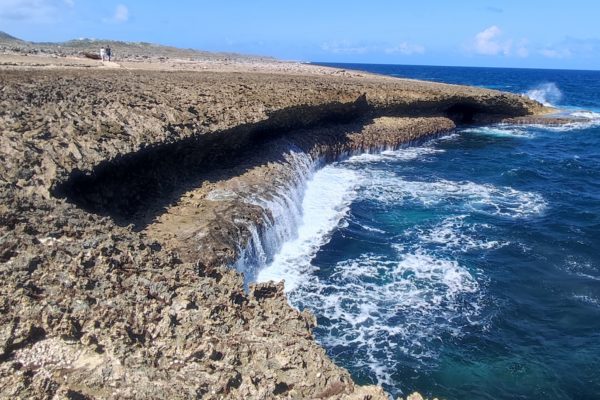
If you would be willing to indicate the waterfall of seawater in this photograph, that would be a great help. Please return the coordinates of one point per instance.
(278, 248)
(282, 213)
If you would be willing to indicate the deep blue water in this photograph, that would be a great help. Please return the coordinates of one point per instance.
(468, 266)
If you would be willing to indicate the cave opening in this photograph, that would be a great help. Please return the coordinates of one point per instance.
(463, 113)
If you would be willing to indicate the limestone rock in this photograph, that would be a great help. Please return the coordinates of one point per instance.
(123, 208)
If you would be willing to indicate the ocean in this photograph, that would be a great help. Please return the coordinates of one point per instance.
(467, 266)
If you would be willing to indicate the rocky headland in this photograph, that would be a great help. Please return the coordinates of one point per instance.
(130, 190)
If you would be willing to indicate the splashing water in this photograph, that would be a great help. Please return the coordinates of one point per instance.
(547, 93)
(464, 267)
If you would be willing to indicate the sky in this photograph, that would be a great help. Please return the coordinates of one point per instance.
(524, 33)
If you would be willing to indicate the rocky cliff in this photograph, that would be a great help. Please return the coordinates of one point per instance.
(125, 204)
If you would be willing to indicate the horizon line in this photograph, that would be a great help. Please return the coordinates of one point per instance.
(324, 63)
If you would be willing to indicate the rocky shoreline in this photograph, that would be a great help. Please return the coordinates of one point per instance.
(128, 193)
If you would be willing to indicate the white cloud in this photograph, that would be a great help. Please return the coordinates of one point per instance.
(344, 47)
(492, 42)
(496, 10)
(31, 10)
(556, 53)
(522, 48)
(347, 47)
(489, 43)
(121, 13)
(405, 49)
(572, 48)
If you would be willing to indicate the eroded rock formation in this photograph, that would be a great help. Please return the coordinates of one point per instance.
(114, 255)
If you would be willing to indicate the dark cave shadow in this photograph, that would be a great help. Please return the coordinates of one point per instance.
(133, 189)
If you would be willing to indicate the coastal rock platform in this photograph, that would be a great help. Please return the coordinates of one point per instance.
(125, 204)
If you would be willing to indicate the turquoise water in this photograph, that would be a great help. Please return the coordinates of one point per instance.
(467, 266)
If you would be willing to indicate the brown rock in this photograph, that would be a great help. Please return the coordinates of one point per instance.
(125, 200)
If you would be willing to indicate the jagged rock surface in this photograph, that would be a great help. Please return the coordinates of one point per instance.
(97, 300)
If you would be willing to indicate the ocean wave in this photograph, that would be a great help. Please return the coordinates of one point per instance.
(377, 305)
(326, 201)
(587, 119)
(380, 307)
(569, 127)
(501, 131)
(546, 93)
(587, 299)
(403, 154)
(582, 268)
(586, 114)
(464, 195)
(455, 234)
(591, 120)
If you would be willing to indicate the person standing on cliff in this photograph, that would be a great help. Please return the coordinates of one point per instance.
(108, 53)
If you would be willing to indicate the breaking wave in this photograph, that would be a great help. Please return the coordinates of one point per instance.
(470, 196)
(326, 200)
(501, 131)
(382, 306)
(546, 93)
(376, 308)
(379, 307)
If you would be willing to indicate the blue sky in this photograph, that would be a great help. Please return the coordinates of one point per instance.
(545, 34)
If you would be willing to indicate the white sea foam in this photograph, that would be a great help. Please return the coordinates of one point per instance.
(546, 93)
(326, 200)
(281, 212)
(592, 119)
(582, 268)
(371, 228)
(448, 138)
(589, 119)
(587, 299)
(586, 114)
(380, 306)
(367, 158)
(456, 235)
(400, 303)
(501, 131)
(403, 154)
(411, 153)
(485, 198)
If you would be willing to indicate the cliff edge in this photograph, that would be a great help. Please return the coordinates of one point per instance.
(116, 247)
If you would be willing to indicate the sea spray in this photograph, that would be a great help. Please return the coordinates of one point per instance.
(496, 259)
(325, 203)
(380, 307)
(546, 93)
(281, 209)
